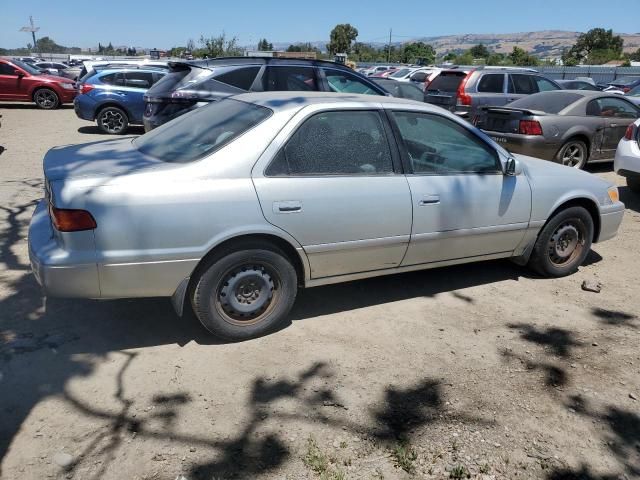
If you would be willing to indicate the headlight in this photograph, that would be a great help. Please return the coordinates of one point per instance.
(67, 86)
(613, 196)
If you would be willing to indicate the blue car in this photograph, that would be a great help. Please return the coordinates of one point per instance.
(114, 98)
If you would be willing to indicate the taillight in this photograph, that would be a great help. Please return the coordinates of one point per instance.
(628, 135)
(530, 127)
(71, 220)
(86, 88)
(463, 98)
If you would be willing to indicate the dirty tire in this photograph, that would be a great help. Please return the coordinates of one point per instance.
(573, 154)
(46, 99)
(563, 244)
(113, 120)
(245, 292)
(634, 184)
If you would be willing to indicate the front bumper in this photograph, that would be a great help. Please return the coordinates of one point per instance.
(531, 145)
(60, 272)
(610, 220)
(67, 96)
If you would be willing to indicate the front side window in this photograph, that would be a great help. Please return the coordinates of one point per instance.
(491, 83)
(522, 84)
(285, 78)
(201, 131)
(336, 143)
(439, 146)
(612, 107)
(345, 82)
(7, 69)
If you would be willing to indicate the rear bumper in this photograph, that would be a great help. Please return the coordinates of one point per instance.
(530, 145)
(85, 107)
(55, 269)
(627, 161)
(610, 220)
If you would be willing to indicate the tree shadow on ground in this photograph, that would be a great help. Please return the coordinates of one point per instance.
(583, 473)
(623, 434)
(615, 318)
(559, 340)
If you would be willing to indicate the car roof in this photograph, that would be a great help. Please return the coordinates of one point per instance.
(146, 68)
(281, 101)
(211, 62)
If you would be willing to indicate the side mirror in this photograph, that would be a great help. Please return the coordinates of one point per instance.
(19, 73)
(513, 167)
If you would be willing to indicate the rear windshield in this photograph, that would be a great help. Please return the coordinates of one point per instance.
(401, 73)
(547, 102)
(201, 132)
(447, 82)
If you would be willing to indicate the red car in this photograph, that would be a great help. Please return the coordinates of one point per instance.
(20, 82)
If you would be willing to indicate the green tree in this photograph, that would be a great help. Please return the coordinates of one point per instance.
(341, 38)
(48, 45)
(449, 57)
(264, 45)
(479, 51)
(522, 58)
(418, 52)
(496, 59)
(219, 46)
(596, 46)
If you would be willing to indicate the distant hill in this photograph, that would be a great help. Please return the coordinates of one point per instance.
(544, 43)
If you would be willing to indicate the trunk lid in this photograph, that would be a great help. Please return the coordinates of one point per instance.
(106, 159)
(504, 119)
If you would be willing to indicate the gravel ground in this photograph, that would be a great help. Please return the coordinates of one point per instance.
(478, 371)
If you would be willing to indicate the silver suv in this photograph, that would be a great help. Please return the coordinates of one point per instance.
(465, 91)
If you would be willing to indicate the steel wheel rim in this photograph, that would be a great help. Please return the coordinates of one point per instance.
(246, 294)
(112, 121)
(573, 156)
(45, 99)
(567, 243)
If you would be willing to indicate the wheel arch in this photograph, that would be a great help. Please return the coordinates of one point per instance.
(585, 202)
(286, 246)
(46, 87)
(575, 134)
(111, 103)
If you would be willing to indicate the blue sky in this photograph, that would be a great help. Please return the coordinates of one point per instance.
(164, 23)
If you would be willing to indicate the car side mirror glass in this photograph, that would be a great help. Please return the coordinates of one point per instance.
(512, 167)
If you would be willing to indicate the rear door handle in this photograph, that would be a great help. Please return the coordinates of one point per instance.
(288, 206)
(429, 200)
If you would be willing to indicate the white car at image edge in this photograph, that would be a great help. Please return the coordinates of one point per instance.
(627, 161)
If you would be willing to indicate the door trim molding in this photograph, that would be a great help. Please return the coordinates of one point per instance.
(357, 244)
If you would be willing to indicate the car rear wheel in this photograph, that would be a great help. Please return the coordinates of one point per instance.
(46, 98)
(245, 293)
(634, 184)
(574, 154)
(563, 244)
(113, 120)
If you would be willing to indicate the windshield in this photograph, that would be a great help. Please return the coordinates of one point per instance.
(26, 67)
(625, 81)
(401, 73)
(547, 102)
(202, 131)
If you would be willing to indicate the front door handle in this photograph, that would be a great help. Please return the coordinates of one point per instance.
(288, 206)
(613, 125)
(429, 200)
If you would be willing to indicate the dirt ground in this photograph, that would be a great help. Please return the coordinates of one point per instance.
(478, 371)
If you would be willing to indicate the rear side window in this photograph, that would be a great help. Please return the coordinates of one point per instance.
(336, 143)
(201, 131)
(138, 79)
(345, 82)
(612, 107)
(446, 82)
(113, 79)
(285, 78)
(522, 84)
(491, 83)
(242, 77)
(412, 92)
(544, 85)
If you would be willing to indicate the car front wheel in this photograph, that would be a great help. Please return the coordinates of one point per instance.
(245, 293)
(46, 98)
(563, 244)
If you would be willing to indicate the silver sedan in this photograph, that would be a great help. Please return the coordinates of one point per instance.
(233, 207)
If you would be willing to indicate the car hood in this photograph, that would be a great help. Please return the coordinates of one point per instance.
(105, 159)
(538, 170)
(53, 78)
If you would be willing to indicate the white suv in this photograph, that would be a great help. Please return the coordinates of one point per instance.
(627, 162)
